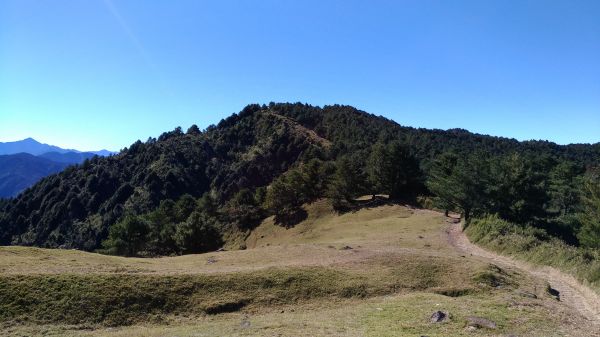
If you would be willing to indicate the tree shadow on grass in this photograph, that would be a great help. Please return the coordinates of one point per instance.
(291, 219)
(375, 201)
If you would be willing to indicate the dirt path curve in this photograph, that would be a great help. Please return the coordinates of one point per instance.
(572, 293)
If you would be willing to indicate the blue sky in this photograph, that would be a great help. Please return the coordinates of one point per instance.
(91, 74)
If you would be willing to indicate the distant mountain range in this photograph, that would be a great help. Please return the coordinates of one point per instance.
(32, 146)
(25, 162)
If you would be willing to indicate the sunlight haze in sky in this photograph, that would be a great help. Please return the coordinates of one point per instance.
(103, 73)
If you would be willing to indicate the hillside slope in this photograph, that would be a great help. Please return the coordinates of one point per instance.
(379, 271)
(21, 170)
(245, 151)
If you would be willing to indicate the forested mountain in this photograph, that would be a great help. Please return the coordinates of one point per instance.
(25, 162)
(21, 170)
(180, 192)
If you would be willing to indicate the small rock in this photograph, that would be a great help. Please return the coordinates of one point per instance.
(221, 249)
(211, 260)
(480, 322)
(245, 324)
(438, 317)
(379, 309)
(553, 292)
(346, 248)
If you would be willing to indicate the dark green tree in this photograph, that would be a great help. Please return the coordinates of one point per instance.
(243, 209)
(193, 130)
(182, 209)
(405, 177)
(127, 237)
(378, 169)
(207, 204)
(516, 188)
(564, 188)
(198, 234)
(589, 234)
(460, 183)
(393, 170)
(284, 195)
(346, 182)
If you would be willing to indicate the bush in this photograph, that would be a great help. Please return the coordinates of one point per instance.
(536, 246)
(127, 237)
(197, 234)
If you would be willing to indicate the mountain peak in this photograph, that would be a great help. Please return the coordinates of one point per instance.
(36, 148)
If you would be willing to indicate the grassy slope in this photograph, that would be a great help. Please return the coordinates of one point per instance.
(291, 282)
(524, 243)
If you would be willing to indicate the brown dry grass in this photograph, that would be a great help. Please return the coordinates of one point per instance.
(402, 256)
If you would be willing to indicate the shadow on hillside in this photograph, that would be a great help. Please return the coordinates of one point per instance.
(373, 202)
(292, 219)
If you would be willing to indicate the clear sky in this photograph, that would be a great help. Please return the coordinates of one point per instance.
(91, 74)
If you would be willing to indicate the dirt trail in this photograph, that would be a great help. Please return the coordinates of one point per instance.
(572, 293)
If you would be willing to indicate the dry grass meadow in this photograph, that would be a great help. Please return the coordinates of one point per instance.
(378, 271)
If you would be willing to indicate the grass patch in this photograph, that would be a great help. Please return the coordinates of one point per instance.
(123, 299)
(409, 316)
(455, 292)
(126, 299)
(494, 277)
(536, 246)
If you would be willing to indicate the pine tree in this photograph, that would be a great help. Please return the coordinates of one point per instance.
(589, 234)
(346, 182)
(460, 183)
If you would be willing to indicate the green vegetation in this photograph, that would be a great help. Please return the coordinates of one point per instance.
(392, 169)
(126, 299)
(271, 159)
(185, 226)
(537, 246)
(589, 234)
(511, 185)
(285, 196)
(409, 317)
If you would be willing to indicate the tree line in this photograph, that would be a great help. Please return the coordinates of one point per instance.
(266, 160)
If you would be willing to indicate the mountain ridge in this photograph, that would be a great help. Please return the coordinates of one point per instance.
(31, 168)
(21, 170)
(34, 147)
(245, 151)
